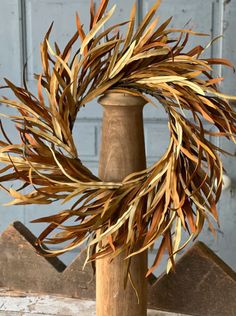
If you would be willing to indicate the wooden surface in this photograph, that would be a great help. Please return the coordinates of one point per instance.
(122, 152)
(23, 269)
(202, 285)
(16, 304)
(44, 305)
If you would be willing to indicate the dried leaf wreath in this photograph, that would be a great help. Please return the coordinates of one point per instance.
(180, 191)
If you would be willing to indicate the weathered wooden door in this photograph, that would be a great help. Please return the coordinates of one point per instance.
(23, 24)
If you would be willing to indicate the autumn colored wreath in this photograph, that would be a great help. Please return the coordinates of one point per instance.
(180, 191)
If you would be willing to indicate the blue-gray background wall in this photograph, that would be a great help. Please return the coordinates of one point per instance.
(23, 24)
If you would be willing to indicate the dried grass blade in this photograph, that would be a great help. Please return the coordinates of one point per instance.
(96, 28)
(123, 61)
(146, 20)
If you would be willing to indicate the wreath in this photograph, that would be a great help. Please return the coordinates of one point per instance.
(179, 192)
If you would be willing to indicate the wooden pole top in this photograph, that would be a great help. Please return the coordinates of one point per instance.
(121, 99)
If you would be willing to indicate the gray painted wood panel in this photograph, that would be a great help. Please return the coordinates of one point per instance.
(10, 67)
(10, 40)
(39, 16)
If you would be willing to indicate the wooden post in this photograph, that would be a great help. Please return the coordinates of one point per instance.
(122, 152)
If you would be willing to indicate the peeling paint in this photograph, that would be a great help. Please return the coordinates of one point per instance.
(50, 306)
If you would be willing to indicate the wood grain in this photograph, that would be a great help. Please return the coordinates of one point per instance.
(122, 152)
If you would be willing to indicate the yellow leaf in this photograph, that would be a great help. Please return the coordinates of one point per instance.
(176, 243)
(148, 54)
(161, 79)
(123, 61)
(96, 28)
